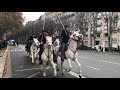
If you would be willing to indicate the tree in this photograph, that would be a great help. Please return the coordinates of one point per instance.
(10, 22)
(110, 18)
(50, 26)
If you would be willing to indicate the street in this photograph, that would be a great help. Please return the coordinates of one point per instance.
(93, 64)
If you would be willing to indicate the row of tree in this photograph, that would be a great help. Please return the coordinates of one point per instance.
(35, 27)
(10, 23)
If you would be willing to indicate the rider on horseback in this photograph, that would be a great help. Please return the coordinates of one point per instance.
(29, 42)
(64, 41)
(42, 40)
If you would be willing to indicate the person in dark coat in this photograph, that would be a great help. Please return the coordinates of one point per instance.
(65, 34)
(29, 42)
(42, 40)
(0, 44)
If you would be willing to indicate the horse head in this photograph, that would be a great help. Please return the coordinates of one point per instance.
(48, 41)
(36, 42)
(77, 35)
(56, 42)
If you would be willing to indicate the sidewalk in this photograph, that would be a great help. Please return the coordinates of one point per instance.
(3, 58)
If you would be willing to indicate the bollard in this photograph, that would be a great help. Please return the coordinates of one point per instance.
(0, 54)
(103, 49)
(103, 46)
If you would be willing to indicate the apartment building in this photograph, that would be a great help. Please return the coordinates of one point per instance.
(102, 33)
(116, 34)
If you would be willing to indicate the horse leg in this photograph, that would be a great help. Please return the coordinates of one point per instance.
(79, 65)
(54, 68)
(70, 66)
(37, 52)
(62, 67)
(44, 69)
(55, 61)
(32, 56)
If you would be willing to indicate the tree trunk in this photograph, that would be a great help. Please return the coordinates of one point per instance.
(91, 39)
(109, 34)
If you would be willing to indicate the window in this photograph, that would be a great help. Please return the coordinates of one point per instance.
(86, 35)
(106, 42)
(98, 34)
(86, 42)
(86, 29)
(106, 34)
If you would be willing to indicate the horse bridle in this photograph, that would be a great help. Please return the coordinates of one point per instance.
(48, 55)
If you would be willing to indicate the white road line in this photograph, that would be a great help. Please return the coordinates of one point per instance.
(33, 75)
(74, 74)
(20, 50)
(36, 73)
(91, 67)
(11, 50)
(27, 69)
(110, 62)
(82, 57)
(30, 69)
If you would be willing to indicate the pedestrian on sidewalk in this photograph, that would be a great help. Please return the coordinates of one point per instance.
(0, 47)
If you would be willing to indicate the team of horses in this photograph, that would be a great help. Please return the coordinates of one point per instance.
(50, 57)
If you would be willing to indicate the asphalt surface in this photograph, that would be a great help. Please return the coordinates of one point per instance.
(93, 65)
(23, 68)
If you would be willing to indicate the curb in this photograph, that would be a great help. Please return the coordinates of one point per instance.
(7, 73)
(2, 62)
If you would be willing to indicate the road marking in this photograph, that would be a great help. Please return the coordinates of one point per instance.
(30, 69)
(74, 74)
(27, 69)
(36, 73)
(20, 50)
(110, 62)
(33, 75)
(90, 67)
(16, 50)
(82, 57)
(11, 50)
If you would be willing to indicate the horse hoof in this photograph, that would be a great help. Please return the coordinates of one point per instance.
(62, 73)
(57, 69)
(44, 76)
(68, 70)
(55, 77)
(80, 76)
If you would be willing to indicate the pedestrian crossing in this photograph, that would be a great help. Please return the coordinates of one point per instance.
(17, 50)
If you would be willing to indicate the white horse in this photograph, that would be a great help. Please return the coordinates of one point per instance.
(33, 49)
(47, 56)
(71, 53)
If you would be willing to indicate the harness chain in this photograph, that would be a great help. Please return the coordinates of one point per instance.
(48, 55)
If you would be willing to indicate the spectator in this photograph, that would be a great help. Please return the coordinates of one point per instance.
(0, 47)
(0, 44)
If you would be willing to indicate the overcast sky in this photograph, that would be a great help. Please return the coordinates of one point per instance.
(31, 16)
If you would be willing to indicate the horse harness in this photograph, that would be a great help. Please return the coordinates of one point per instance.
(72, 50)
(48, 56)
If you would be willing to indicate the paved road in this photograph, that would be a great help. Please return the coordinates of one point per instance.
(23, 68)
(94, 65)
